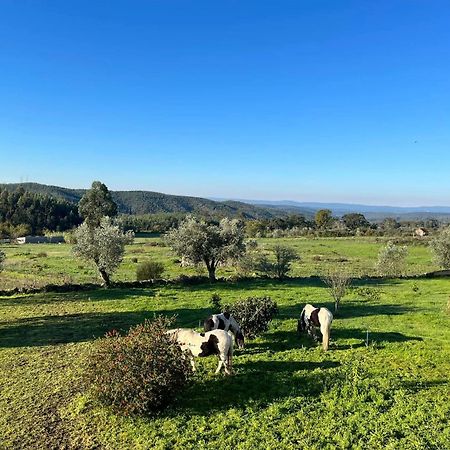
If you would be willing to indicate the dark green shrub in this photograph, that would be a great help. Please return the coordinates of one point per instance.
(216, 302)
(139, 373)
(149, 270)
(253, 314)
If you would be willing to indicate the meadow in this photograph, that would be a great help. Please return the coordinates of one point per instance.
(391, 392)
(35, 265)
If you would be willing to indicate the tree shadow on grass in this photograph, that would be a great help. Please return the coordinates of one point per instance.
(96, 295)
(375, 337)
(350, 309)
(52, 330)
(259, 382)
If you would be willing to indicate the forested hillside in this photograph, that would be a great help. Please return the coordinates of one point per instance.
(147, 202)
(23, 212)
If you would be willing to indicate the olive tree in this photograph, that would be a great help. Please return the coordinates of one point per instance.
(440, 245)
(200, 242)
(103, 245)
(391, 260)
(96, 203)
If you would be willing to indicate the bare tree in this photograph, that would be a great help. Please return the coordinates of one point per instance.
(337, 282)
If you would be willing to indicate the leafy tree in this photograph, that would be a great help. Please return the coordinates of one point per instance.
(96, 203)
(391, 260)
(355, 220)
(440, 245)
(103, 245)
(200, 242)
(323, 218)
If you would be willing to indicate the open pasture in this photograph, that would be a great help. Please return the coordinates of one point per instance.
(286, 393)
(40, 264)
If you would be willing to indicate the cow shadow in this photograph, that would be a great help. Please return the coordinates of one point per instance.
(259, 382)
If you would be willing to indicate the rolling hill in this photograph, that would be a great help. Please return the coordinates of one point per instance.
(147, 202)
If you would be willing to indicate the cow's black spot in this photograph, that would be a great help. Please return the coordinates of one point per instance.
(314, 318)
(209, 324)
(227, 315)
(210, 347)
(221, 325)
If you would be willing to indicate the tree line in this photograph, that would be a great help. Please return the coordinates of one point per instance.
(23, 212)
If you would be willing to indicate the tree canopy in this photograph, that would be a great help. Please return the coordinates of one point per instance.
(212, 244)
(96, 203)
(103, 245)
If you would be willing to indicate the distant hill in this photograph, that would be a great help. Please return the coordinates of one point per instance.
(147, 202)
(371, 212)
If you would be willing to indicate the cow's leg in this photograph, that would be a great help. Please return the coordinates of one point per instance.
(221, 363)
(229, 364)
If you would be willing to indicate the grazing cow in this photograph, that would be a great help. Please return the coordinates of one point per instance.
(312, 317)
(216, 342)
(225, 321)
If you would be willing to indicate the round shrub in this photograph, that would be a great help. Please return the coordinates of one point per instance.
(149, 270)
(253, 314)
(139, 373)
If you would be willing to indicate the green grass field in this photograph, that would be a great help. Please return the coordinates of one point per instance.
(286, 393)
(40, 264)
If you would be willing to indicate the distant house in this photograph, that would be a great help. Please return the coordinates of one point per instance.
(421, 232)
(40, 240)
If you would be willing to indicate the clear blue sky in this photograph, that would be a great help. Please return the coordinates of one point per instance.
(306, 100)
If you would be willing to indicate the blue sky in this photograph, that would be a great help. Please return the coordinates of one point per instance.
(305, 100)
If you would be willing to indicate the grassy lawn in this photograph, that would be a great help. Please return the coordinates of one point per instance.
(286, 394)
(40, 264)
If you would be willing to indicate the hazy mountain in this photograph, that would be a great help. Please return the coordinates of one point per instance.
(371, 212)
(147, 202)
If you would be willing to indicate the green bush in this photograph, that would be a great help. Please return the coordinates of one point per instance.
(139, 373)
(253, 314)
(216, 302)
(149, 270)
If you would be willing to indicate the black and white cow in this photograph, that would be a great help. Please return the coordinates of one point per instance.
(312, 317)
(225, 321)
(216, 342)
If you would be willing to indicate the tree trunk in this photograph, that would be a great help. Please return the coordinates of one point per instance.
(105, 277)
(212, 273)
